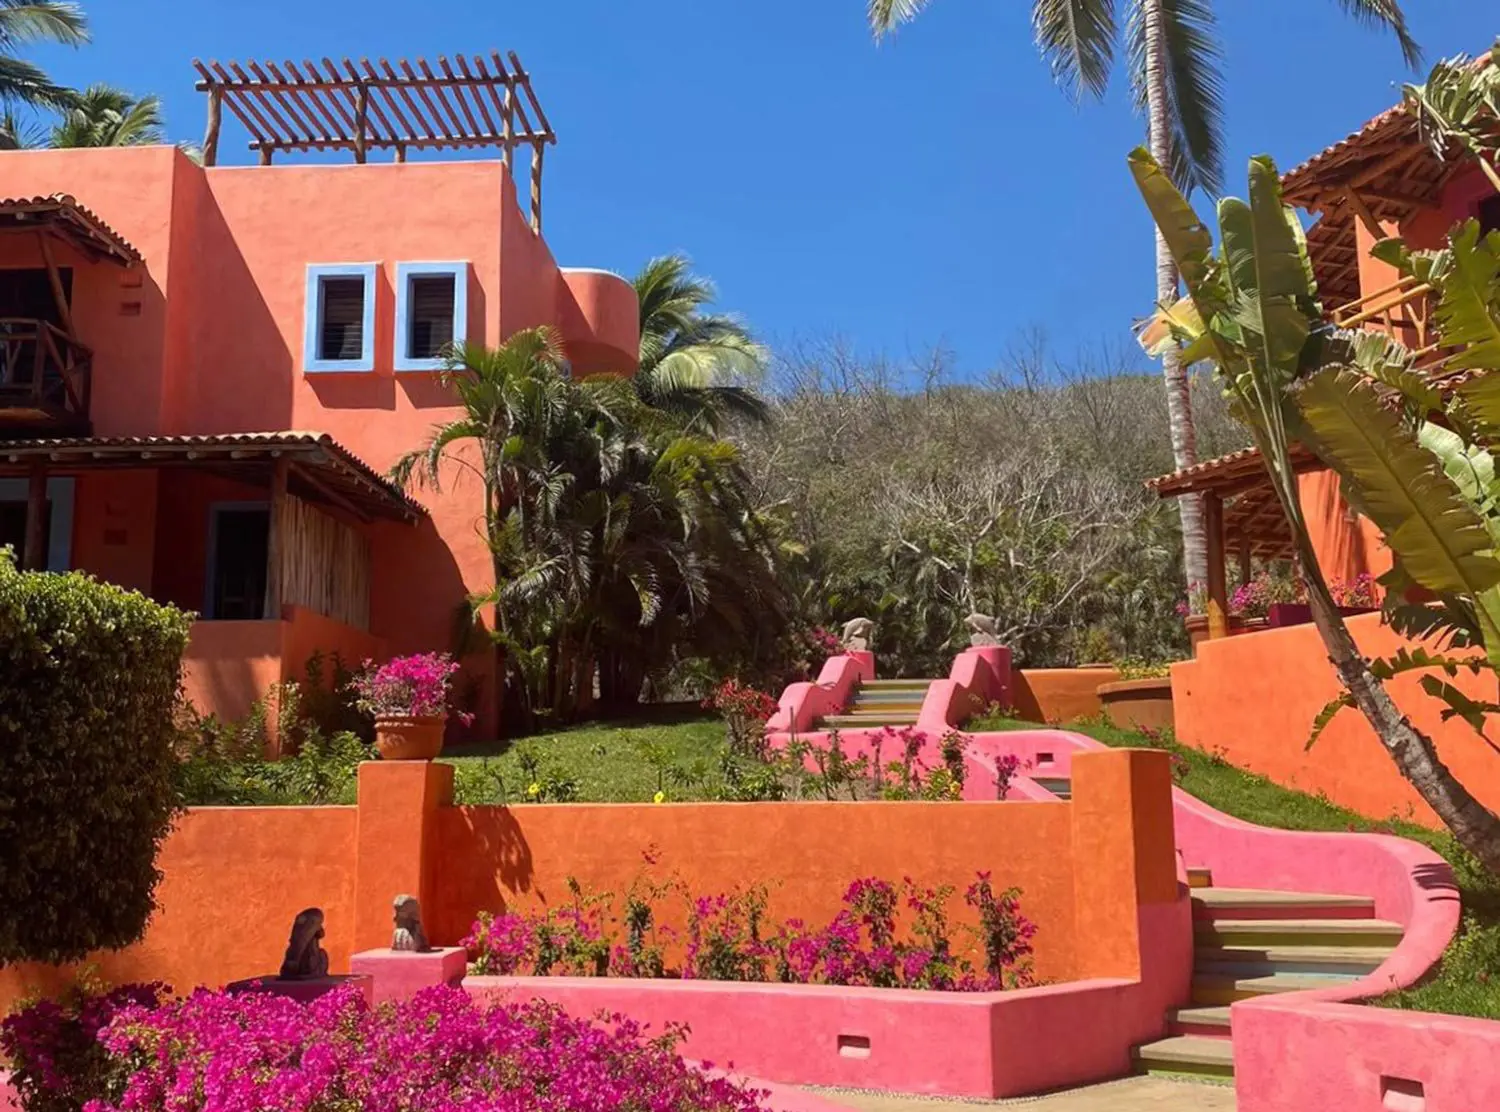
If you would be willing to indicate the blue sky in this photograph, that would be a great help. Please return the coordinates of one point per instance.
(935, 189)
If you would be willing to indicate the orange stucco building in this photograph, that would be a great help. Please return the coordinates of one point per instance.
(206, 373)
(1253, 697)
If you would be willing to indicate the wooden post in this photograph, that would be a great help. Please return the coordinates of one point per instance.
(211, 134)
(400, 152)
(1366, 217)
(64, 312)
(507, 118)
(1244, 560)
(265, 156)
(274, 539)
(536, 187)
(361, 113)
(34, 557)
(1218, 590)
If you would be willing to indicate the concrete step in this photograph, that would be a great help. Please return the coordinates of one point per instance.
(1194, 1055)
(1210, 1022)
(1298, 932)
(895, 685)
(1213, 904)
(1262, 961)
(893, 695)
(1199, 877)
(1215, 990)
(864, 706)
(855, 721)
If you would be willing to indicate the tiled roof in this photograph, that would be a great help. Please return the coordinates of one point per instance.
(1227, 474)
(336, 466)
(76, 223)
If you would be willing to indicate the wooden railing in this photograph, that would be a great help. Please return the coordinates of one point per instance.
(1402, 310)
(43, 368)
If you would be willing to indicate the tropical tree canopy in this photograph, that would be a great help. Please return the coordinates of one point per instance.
(700, 367)
(1415, 462)
(103, 116)
(23, 22)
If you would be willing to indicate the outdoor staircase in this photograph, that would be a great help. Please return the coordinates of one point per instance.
(880, 703)
(1249, 942)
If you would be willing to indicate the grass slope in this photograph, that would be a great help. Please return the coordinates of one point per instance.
(1467, 982)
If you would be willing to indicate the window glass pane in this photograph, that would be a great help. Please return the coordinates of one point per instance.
(430, 315)
(1489, 214)
(341, 327)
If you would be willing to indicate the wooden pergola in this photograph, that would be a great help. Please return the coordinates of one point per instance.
(1241, 515)
(406, 106)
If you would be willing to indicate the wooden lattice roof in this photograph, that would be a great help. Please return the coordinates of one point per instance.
(409, 105)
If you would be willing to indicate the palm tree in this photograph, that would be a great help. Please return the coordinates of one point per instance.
(694, 364)
(1174, 60)
(103, 116)
(29, 21)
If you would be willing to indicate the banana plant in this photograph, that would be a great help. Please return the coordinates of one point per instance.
(1459, 106)
(1252, 312)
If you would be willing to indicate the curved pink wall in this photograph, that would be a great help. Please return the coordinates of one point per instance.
(600, 321)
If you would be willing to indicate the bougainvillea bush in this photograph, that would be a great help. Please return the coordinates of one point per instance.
(885, 936)
(418, 686)
(437, 1052)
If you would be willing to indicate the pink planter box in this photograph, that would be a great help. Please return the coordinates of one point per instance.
(399, 974)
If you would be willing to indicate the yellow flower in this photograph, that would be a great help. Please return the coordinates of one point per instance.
(659, 797)
(534, 789)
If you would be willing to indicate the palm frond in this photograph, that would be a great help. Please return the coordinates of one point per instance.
(886, 15)
(1193, 61)
(1077, 39)
(1386, 14)
(28, 21)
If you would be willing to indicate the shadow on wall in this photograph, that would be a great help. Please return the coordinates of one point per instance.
(497, 838)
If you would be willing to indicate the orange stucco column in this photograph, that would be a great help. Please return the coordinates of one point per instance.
(396, 841)
(1124, 854)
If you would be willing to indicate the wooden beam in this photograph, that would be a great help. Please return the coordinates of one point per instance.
(334, 498)
(274, 539)
(54, 279)
(1218, 589)
(211, 133)
(1366, 217)
(34, 554)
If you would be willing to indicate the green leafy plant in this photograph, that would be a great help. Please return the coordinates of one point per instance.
(87, 767)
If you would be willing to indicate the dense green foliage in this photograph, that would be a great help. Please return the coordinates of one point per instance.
(87, 767)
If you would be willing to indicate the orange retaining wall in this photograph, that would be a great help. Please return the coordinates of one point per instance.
(1253, 699)
(236, 877)
(1058, 695)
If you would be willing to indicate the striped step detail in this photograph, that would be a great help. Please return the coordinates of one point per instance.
(1199, 877)
(1060, 786)
(879, 703)
(865, 721)
(1213, 989)
(1298, 932)
(1186, 1054)
(1209, 1022)
(1259, 961)
(1213, 904)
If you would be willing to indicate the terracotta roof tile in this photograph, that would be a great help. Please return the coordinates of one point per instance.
(82, 223)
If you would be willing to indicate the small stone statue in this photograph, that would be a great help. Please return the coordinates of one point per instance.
(408, 935)
(305, 958)
(982, 630)
(858, 633)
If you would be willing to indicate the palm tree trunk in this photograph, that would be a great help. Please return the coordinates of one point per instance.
(1179, 400)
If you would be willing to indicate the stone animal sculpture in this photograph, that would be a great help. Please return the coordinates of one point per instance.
(858, 632)
(408, 935)
(983, 630)
(305, 958)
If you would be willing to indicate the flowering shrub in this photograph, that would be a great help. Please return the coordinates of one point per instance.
(1255, 598)
(418, 686)
(1006, 767)
(437, 1052)
(1359, 593)
(728, 938)
(57, 1062)
(745, 710)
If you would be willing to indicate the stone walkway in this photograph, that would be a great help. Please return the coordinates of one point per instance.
(1133, 1094)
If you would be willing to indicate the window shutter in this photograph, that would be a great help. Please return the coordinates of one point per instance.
(431, 315)
(341, 332)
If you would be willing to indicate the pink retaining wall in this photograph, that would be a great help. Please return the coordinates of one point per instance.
(1291, 1055)
(802, 704)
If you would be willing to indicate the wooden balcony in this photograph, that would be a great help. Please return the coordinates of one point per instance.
(1402, 310)
(45, 379)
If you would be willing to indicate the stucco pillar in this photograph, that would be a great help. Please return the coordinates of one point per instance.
(1124, 861)
(395, 840)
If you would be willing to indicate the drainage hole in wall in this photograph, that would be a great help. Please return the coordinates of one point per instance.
(854, 1046)
(1044, 758)
(1400, 1094)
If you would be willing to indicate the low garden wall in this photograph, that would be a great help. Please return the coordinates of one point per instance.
(1098, 874)
(1060, 695)
(1253, 699)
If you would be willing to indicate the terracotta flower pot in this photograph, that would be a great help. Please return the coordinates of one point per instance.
(409, 739)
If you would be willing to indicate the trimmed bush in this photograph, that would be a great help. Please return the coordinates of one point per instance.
(89, 677)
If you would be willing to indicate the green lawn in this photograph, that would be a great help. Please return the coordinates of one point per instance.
(1467, 982)
(673, 750)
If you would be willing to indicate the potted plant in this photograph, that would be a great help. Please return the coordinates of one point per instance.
(1353, 596)
(409, 699)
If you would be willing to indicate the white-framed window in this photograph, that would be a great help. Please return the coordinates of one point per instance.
(340, 318)
(432, 312)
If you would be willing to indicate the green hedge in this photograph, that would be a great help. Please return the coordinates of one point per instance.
(89, 677)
